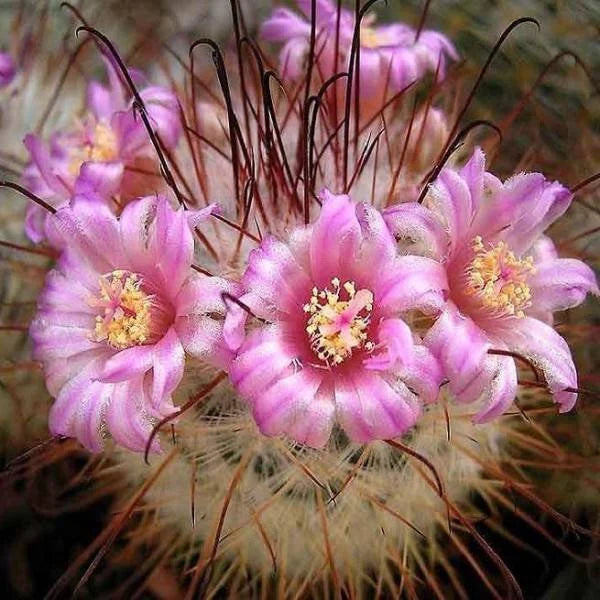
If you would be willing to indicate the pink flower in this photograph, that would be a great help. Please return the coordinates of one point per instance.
(333, 345)
(384, 49)
(117, 316)
(108, 152)
(8, 69)
(505, 281)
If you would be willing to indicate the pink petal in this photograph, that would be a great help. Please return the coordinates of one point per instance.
(543, 250)
(373, 73)
(335, 238)
(44, 163)
(72, 295)
(99, 178)
(90, 413)
(369, 408)
(8, 69)
(91, 232)
(553, 201)
(450, 198)
(549, 352)
(171, 245)
(282, 25)
(292, 406)
(417, 230)
(168, 365)
(132, 137)
(127, 364)
(473, 174)
(163, 112)
(521, 209)
(274, 275)
(423, 374)
(263, 358)
(378, 247)
(135, 221)
(561, 283)
(405, 69)
(67, 410)
(394, 346)
(236, 317)
(499, 376)
(412, 283)
(461, 348)
(201, 294)
(325, 9)
(126, 419)
(100, 101)
(197, 216)
(202, 337)
(54, 342)
(35, 221)
(292, 58)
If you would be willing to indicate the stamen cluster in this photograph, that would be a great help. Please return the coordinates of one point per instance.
(98, 145)
(126, 317)
(499, 278)
(337, 326)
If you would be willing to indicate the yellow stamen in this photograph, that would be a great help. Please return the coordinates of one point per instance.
(100, 147)
(337, 325)
(370, 37)
(499, 278)
(125, 320)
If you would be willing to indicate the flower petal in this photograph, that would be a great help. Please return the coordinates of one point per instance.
(325, 9)
(99, 178)
(461, 348)
(127, 364)
(378, 247)
(282, 25)
(411, 283)
(395, 339)
(474, 175)
(292, 406)
(561, 283)
(171, 244)
(68, 410)
(202, 337)
(499, 376)
(335, 238)
(417, 230)
(128, 422)
(292, 58)
(369, 408)
(201, 294)
(100, 100)
(168, 365)
(549, 352)
(519, 210)
(274, 275)
(43, 161)
(423, 374)
(82, 224)
(450, 198)
(263, 358)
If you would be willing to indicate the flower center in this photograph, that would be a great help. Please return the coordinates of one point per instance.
(125, 318)
(499, 278)
(99, 146)
(338, 321)
(370, 37)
